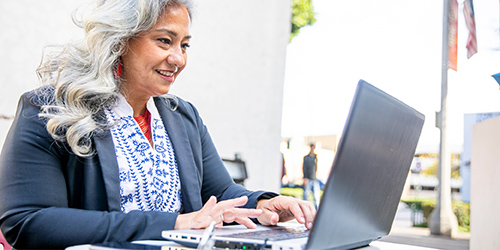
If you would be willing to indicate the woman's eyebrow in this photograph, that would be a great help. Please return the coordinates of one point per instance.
(173, 33)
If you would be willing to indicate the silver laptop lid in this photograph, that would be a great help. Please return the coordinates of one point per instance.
(369, 171)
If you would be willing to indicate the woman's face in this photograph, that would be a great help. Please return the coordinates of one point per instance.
(155, 58)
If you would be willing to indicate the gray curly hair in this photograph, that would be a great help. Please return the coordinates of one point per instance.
(81, 73)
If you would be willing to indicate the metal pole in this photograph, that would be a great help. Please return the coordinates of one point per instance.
(442, 221)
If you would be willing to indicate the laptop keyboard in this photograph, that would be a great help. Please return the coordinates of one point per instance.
(273, 234)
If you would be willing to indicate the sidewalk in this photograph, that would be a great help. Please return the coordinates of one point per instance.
(403, 233)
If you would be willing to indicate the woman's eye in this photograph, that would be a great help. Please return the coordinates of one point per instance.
(186, 46)
(164, 40)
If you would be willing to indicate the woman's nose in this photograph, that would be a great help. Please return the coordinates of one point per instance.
(176, 58)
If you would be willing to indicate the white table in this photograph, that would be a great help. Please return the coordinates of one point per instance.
(376, 245)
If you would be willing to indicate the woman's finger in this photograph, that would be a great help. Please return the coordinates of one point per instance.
(281, 209)
(287, 208)
(230, 204)
(218, 211)
(246, 222)
(309, 213)
(209, 205)
(242, 216)
(225, 211)
(268, 216)
(203, 218)
(231, 215)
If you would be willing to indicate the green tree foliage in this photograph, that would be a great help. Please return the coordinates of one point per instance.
(302, 15)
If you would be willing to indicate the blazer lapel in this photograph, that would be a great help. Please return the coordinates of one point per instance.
(107, 158)
(176, 130)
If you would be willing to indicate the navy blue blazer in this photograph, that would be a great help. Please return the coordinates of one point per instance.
(51, 198)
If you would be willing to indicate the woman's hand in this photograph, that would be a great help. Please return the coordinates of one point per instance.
(212, 211)
(283, 208)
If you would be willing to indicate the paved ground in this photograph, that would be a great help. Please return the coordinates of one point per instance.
(403, 233)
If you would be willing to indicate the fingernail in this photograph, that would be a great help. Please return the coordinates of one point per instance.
(309, 225)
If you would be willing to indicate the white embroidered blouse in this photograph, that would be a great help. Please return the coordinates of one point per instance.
(149, 177)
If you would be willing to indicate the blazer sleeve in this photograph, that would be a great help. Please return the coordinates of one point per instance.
(35, 207)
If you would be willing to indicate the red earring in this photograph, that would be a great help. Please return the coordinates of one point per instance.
(118, 70)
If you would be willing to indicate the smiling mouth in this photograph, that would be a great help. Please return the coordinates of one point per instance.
(165, 73)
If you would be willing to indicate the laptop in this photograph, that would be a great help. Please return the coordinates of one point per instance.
(364, 187)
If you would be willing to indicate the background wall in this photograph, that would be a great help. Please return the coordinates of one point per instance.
(234, 76)
(485, 174)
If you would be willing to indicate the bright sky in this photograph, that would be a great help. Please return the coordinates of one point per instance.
(396, 46)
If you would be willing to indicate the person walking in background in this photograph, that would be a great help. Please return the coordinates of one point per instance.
(309, 168)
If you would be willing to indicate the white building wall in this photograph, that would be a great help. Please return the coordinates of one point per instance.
(234, 76)
(485, 173)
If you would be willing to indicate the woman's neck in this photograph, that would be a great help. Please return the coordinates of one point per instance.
(138, 104)
(138, 107)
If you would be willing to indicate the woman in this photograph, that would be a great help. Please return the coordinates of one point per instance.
(102, 153)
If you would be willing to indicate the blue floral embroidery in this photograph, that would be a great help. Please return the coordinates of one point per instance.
(149, 177)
